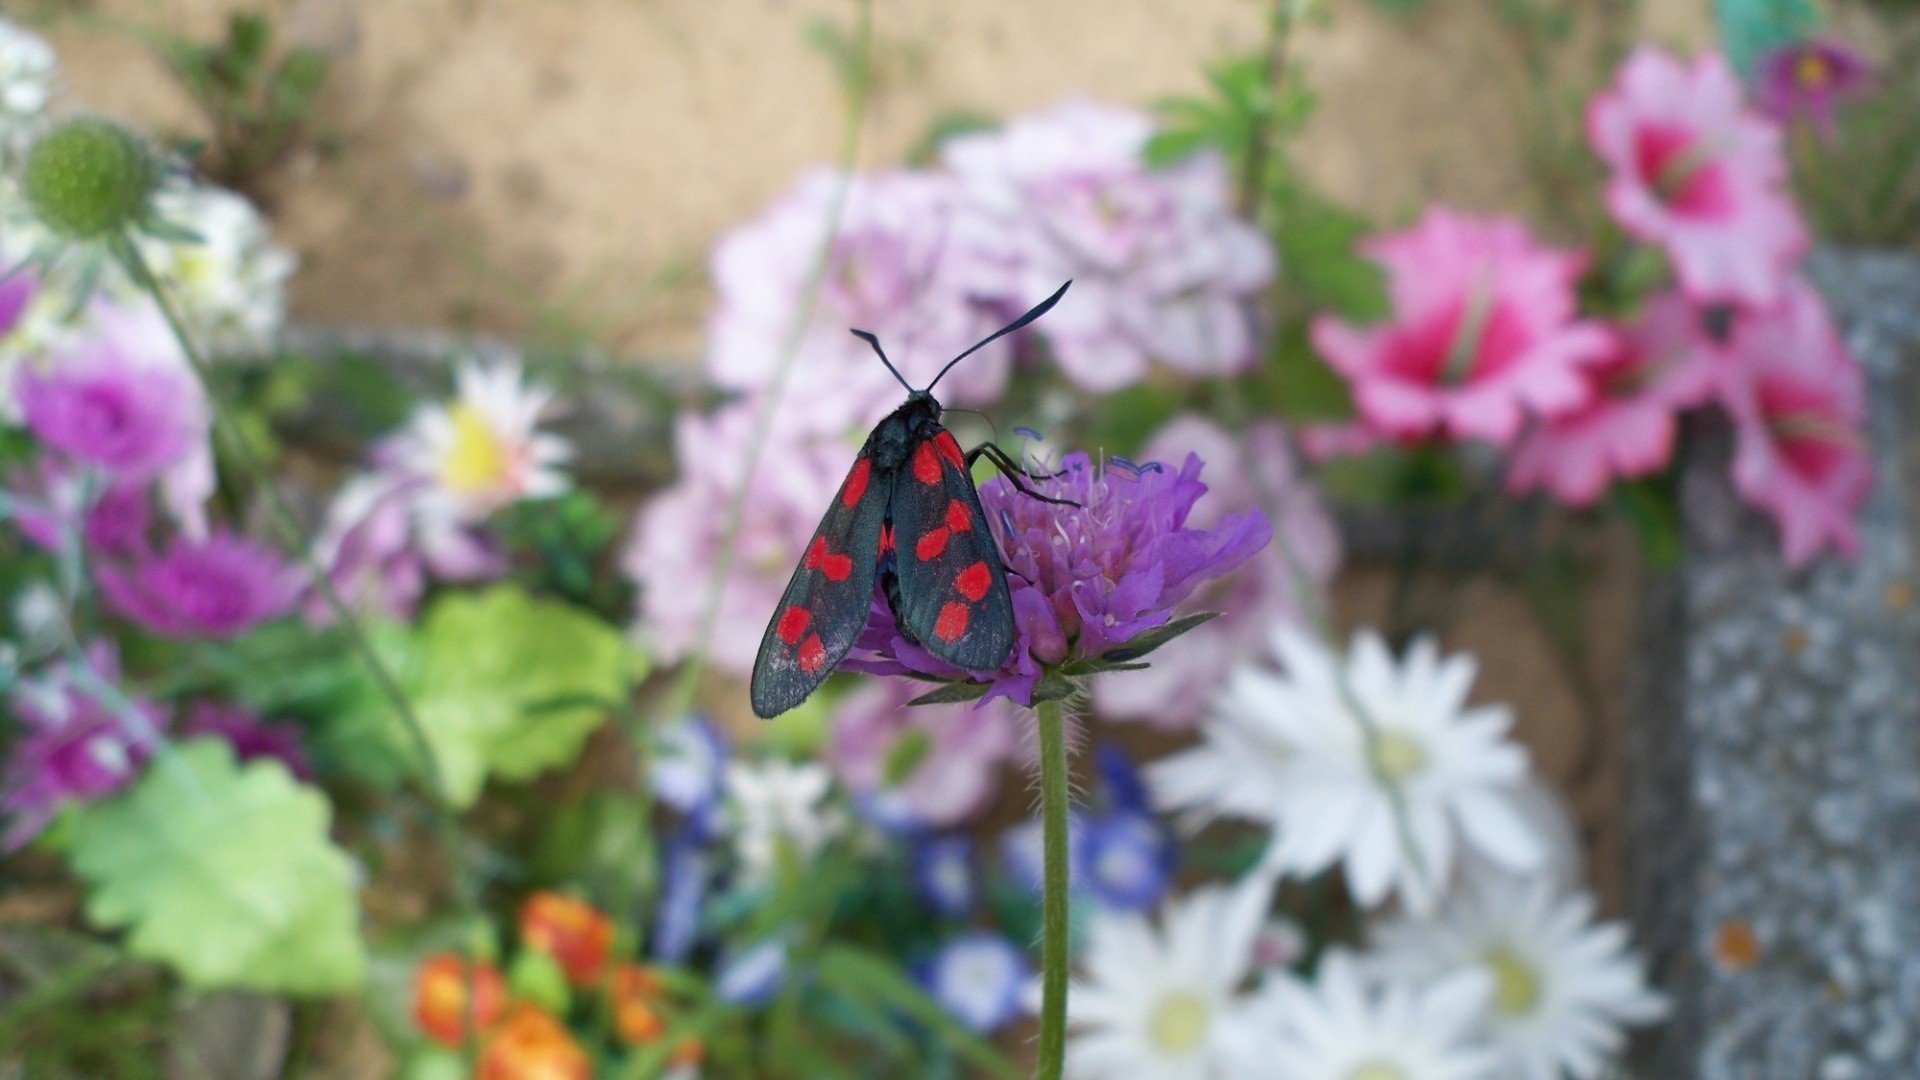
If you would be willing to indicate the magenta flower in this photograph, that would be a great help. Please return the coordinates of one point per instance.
(1808, 79)
(1657, 367)
(1483, 332)
(251, 737)
(100, 408)
(1257, 470)
(72, 747)
(1162, 269)
(379, 550)
(1797, 400)
(1696, 174)
(935, 766)
(212, 588)
(1086, 579)
(17, 290)
(896, 268)
(48, 501)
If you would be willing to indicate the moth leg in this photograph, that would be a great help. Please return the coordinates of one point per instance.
(1015, 474)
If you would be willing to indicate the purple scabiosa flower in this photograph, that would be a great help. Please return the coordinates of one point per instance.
(935, 766)
(380, 553)
(942, 870)
(251, 737)
(1162, 269)
(73, 747)
(688, 773)
(1256, 469)
(47, 501)
(1808, 79)
(1086, 579)
(212, 588)
(978, 977)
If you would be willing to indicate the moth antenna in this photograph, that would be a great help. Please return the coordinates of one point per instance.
(1038, 310)
(875, 342)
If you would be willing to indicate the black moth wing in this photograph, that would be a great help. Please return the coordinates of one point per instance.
(952, 596)
(827, 603)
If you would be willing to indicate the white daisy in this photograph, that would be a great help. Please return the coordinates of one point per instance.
(231, 280)
(1564, 988)
(484, 450)
(1378, 764)
(777, 806)
(1166, 1003)
(1342, 1026)
(28, 69)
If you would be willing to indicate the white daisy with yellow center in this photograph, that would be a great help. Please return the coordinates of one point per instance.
(1365, 760)
(1167, 1001)
(1565, 988)
(1345, 1026)
(484, 450)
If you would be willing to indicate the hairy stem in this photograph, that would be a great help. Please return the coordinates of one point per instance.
(1053, 897)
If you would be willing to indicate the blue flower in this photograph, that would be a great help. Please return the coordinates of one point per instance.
(683, 888)
(688, 771)
(978, 977)
(751, 976)
(1124, 860)
(943, 874)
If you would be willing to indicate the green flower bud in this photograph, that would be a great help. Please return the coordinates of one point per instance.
(89, 179)
(536, 977)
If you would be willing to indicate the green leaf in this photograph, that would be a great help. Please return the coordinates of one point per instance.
(952, 693)
(225, 873)
(859, 973)
(1146, 641)
(505, 685)
(1316, 241)
(1749, 29)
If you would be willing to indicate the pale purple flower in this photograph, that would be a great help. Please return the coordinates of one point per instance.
(1162, 269)
(1258, 469)
(1090, 577)
(212, 588)
(1808, 79)
(72, 747)
(895, 267)
(936, 765)
(47, 500)
(251, 737)
(379, 552)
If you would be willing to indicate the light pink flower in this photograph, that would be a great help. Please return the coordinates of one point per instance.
(1658, 366)
(1797, 398)
(1258, 470)
(1696, 173)
(895, 268)
(381, 546)
(1162, 269)
(1483, 332)
(934, 764)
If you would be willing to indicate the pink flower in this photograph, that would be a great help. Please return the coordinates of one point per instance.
(72, 746)
(380, 549)
(678, 533)
(1256, 471)
(1483, 332)
(1807, 79)
(1656, 367)
(1698, 175)
(934, 764)
(1162, 269)
(1797, 398)
(213, 588)
(895, 268)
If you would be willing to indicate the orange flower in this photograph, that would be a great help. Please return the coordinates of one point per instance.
(570, 931)
(440, 998)
(688, 1054)
(635, 993)
(530, 1045)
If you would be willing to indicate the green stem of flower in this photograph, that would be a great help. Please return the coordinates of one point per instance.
(1053, 896)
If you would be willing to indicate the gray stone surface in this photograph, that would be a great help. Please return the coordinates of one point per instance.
(1773, 795)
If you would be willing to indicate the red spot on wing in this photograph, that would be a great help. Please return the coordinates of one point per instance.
(886, 538)
(856, 484)
(836, 567)
(958, 519)
(812, 654)
(931, 545)
(926, 464)
(972, 582)
(952, 622)
(793, 622)
(816, 551)
(950, 450)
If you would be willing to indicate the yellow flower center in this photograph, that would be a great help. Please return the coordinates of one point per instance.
(1377, 1070)
(1812, 70)
(1179, 1023)
(1396, 755)
(1516, 985)
(475, 460)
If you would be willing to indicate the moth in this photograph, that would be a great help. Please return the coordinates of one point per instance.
(907, 516)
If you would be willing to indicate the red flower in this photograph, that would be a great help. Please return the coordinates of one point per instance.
(440, 1002)
(569, 930)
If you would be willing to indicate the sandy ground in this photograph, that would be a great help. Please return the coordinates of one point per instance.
(513, 165)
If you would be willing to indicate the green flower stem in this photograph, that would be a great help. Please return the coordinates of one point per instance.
(1053, 896)
(466, 896)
